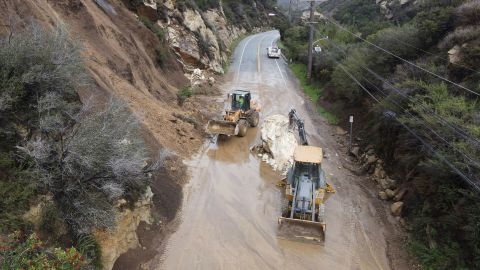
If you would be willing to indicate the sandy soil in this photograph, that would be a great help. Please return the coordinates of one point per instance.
(119, 53)
(231, 204)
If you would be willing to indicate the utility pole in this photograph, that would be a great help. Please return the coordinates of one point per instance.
(290, 12)
(350, 119)
(310, 43)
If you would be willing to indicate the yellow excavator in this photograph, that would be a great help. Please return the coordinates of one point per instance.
(243, 113)
(306, 191)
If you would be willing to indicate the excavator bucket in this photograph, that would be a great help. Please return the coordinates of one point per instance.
(222, 127)
(299, 230)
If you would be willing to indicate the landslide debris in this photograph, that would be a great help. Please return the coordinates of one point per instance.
(278, 143)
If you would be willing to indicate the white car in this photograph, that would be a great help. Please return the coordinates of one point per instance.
(273, 52)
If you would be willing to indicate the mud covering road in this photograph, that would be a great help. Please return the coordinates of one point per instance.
(231, 204)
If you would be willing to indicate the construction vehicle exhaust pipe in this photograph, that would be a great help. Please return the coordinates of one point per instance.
(303, 231)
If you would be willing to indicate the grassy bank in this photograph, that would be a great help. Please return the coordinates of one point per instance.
(313, 90)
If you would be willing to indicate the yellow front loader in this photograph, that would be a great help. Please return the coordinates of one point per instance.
(243, 113)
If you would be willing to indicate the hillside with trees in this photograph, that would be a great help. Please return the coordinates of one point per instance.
(410, 71)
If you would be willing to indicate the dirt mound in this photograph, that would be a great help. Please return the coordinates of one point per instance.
(120, 55)
(119, 52)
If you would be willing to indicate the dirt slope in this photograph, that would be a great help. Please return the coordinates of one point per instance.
(119, 52)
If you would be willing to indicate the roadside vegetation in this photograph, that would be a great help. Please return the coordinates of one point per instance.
(441, 208)
(313, 90)
(74, 159)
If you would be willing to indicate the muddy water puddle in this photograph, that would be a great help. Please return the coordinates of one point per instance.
(231, 204)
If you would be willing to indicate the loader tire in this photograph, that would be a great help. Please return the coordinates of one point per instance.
(242, 128)
(253, 119)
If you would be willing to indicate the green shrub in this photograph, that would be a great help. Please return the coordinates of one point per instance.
(89, 247)
(314, 91)
(162, 54)
(105, 160)
(184, 93)
(146, 21)
(86, 159)
(31, 253)
(51, 221)
(207, 4)
(16, 192)
(204, 46)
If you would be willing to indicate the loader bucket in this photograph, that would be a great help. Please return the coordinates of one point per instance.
(222, 127)
(299, 230)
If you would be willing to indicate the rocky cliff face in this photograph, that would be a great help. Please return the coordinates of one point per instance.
(115, 243)
(460, 42)
(387, 7)
(200, 38)
(119, 53)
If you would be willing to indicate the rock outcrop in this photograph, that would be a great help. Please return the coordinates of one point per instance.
(387, 7)
(199, 38)
(396, 208)
(124, 237)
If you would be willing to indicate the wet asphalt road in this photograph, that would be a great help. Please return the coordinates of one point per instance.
(231, 204)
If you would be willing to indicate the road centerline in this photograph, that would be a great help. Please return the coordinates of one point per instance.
(258, 52)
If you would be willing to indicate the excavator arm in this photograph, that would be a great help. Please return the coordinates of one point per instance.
(306, 191)
(294, 120)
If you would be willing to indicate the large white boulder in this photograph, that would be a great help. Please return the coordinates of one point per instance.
(279, 141)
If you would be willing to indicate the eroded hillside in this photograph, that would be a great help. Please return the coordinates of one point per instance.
(161, 58)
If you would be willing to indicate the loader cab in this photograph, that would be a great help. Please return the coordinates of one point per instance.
(240, 100)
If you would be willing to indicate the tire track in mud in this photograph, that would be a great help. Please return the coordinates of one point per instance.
(229, 217)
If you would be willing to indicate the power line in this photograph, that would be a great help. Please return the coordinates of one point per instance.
(355, 79)
(430, 147)
(401, 58)
(429, 126)
(434, 55)
(464, 134)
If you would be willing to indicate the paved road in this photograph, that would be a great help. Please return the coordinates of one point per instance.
(229, 216)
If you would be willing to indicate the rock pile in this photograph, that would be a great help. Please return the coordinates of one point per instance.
(278, 143)
(389, 188)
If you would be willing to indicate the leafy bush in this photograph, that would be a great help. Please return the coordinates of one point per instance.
(203, 45)
(314, 91)
(51, 221)
(89, 247)
(364, 14)
(295, 40)
(39, 73)
(184, 93)
(162, 54)
(31, 253)
(393, 39)
(16, 192)
(87, 159)
(467, 13)
(207, 4)
(146, 21)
